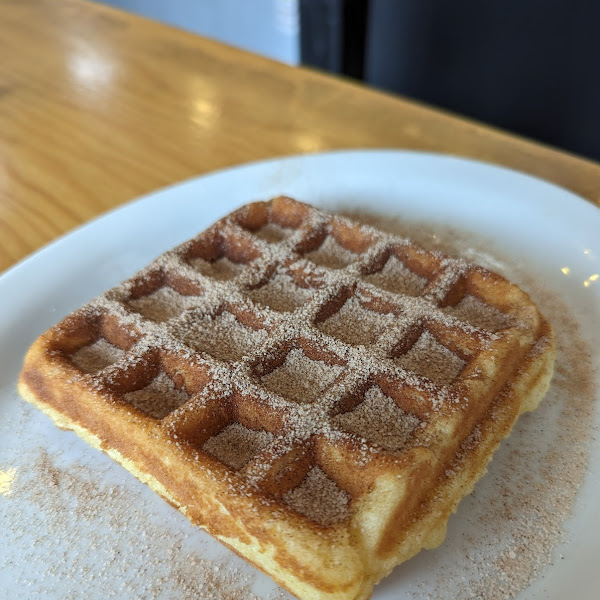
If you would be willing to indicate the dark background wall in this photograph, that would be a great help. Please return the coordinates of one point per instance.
(529, 66)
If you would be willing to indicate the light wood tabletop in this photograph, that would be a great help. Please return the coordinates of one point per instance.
(99, 106)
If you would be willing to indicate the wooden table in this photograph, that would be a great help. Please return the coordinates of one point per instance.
(98, 106)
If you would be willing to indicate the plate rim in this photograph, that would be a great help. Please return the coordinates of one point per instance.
(461, 161)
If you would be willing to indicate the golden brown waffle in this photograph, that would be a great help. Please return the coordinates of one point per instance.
(316, 394)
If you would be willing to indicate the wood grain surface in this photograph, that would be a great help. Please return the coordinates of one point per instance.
(98, 106)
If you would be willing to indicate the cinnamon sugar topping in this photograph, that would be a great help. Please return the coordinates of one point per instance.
(273, 233)
(379, 420)
(300, 378)
(429, 358)
(159, 398)
(237, 444)
(319, 498)
(163, 304)
(397, 278)
(221, 336)
(478, 313)
(332, 255)
(97, 356)
(356, 325)
(281, 293)
(221, 269)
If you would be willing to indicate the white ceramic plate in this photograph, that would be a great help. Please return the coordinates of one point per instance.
(48, 550)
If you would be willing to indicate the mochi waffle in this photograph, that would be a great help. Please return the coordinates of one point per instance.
(317, 394)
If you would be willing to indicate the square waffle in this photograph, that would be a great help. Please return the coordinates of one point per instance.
(315, 393)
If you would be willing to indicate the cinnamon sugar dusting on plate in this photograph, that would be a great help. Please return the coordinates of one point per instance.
(122, 550)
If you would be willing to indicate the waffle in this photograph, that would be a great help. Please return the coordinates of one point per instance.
(317, 394)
